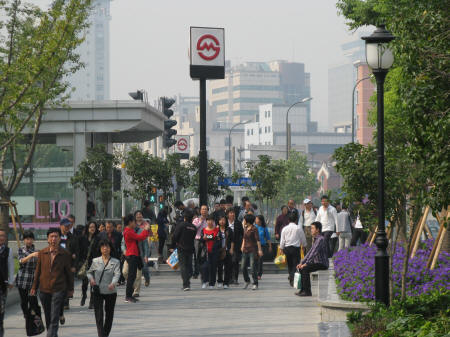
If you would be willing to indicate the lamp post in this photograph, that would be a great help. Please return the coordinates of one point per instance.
(288, 145)
(229, 143)
(353, 105)
(380, 58)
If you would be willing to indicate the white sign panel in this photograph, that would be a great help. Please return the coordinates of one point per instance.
(182, 145)
(207, 46)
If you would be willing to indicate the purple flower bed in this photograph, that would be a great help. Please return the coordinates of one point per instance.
(355, 272)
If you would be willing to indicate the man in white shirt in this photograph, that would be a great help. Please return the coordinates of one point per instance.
(307, 218)
(292, 237)
(327, 216)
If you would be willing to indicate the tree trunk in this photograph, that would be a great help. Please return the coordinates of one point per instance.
(4, 215)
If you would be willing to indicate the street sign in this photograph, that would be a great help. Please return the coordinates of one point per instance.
(207, 53)
(182, 146)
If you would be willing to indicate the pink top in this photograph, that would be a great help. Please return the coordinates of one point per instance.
(200, 223)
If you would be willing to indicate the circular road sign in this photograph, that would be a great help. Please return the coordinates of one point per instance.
(182, 144)
(208, 47)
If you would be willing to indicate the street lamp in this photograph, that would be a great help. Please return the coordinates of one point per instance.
(229, 143)
(353, 105)
(288, 145)
(380, 58)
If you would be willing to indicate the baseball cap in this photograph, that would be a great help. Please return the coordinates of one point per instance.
(65, 222)
(306, 201)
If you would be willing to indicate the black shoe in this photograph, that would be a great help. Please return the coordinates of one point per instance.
(130, 300)
(136, 299)
(83, 300)
(302, 294)
(136, 295)
(291, 282)
(91, 306)
(62, 320)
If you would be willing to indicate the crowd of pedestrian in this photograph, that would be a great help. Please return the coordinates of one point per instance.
(215, 246)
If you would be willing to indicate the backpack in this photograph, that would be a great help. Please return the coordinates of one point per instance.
(303, 215)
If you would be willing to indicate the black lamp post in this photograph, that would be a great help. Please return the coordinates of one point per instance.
(379, 59)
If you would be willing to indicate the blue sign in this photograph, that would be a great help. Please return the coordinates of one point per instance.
(239, 182)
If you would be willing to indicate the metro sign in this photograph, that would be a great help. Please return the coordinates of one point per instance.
(207, 53)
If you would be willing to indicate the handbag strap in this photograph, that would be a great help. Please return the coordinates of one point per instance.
(101, 276)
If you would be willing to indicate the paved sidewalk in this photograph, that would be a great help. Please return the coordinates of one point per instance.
(165, 310)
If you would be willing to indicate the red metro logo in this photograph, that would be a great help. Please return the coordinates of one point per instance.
(208, 47)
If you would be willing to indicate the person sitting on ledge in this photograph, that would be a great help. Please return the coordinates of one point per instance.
(316, 259)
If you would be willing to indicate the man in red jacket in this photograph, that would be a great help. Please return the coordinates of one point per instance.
(132, 253)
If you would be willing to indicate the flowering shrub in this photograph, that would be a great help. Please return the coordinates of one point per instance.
(355, 272)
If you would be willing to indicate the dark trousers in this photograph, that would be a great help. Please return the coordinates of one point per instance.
(3, 295)
(84, 287)
(109, 302)
(224, 267)
(249, 260)
(196, 257)
(52, 304)
(293, 259)
(185, 261)
(161, 243)
(122, 278)
(333, 244)
(133, 262)
(235, 260)
(265, 249)
(27, 302)
(358, 234)
(209, 268)
(327, 236)
(306, 279)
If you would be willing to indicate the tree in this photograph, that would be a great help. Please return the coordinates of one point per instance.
(215, 174)
(267, 174)
(142, 168)
(422, 29)
(37, 51)
(178, 170)
(94, 174)
(417, 110)
(297, 182)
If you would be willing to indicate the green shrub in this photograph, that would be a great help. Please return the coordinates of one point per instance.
(426, 315)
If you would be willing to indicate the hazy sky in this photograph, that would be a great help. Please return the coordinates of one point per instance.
(150, 40)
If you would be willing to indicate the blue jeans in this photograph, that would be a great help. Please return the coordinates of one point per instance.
(248, 260)
(52, 304)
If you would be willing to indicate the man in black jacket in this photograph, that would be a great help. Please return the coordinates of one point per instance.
(111, 235)
(238, 234)
(183, 238)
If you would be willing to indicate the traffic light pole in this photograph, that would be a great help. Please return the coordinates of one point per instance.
(202, 155)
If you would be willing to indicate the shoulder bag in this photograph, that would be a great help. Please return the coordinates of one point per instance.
(83, 269)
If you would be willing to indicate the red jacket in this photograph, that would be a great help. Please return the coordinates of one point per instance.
(131, 240)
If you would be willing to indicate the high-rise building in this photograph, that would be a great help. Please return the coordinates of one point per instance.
(341, 80)
(92, 81)
(246, 86)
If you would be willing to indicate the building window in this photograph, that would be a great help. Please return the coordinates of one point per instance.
(260, 130)
(268, 128)
(268, 113)
(227, 141)
(227, 155)
(265, 129)
(252, 132)
(248, 132)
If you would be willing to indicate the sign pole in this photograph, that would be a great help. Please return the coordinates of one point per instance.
(203, 156)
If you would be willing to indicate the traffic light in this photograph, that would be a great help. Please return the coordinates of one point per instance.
(161, 202)
(152, 197)
(137, 95)
(169, 123)
(117, 178)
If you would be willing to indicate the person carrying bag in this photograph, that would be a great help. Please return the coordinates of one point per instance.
(106, 270)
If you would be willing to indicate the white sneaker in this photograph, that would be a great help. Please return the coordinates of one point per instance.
(211, 287)
(204, 285)
(225, 287)
(219, 285)
(186, 289)
(255, 287)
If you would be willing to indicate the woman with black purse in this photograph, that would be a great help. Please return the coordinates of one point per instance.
(88, 250)
(224, 263)
(104, 275)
